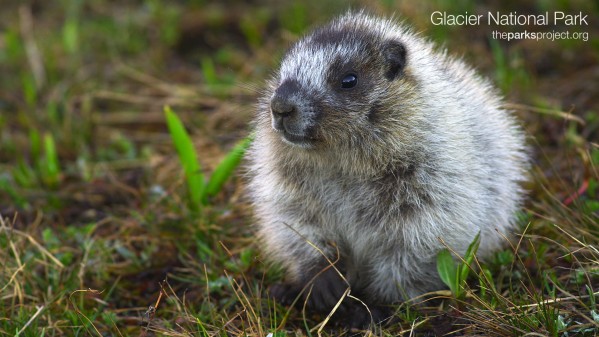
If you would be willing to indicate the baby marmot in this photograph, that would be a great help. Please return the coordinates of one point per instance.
(371, 146)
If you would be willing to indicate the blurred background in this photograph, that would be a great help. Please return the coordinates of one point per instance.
(98, 236)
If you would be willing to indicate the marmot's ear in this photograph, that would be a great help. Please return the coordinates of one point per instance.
(395, 58)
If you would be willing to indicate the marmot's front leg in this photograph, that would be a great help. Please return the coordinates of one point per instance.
(352, 313)
(319, 281)
(320, 288)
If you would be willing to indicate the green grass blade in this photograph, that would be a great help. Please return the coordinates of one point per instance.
(225, 168)
(35, 145)
(209, 71)
(29, 89)
(469, 258)
(187, 156)
(70, 35)
(51, 168)
(447, 270)
(24, 175)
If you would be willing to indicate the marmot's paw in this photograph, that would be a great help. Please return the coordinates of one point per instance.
(321, 295)
(357, 317)
(327, 290)
(284, 293)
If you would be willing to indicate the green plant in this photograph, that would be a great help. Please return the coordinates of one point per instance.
(253, 26)
(187, 156)
(49, 167)
(29, 89)
(45, 169)
(509, 71)
(7, 187)
(225, 169)
(200, 190)
(24, 175)
(70, 35)
(209, 72)
(295, 18)
(454, 274)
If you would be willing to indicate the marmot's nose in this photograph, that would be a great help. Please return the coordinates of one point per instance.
(282, 107)
(284, 102)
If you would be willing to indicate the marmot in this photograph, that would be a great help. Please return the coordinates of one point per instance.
(370, 146)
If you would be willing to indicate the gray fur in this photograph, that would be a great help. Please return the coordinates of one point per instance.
(387, 169)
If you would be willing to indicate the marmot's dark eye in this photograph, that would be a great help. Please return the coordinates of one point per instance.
(349, 81)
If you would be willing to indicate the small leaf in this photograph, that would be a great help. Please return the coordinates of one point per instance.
(504, 257)
(70, 35)
(592, 206)
(29, 89)
(50, 239)
(51, 168)
(225, 168)
(35, 145)
(24, 175)
(447, 270)
(187, 156)
(485, 280)
(246, 257)
(561, 323)
(209, 71)
(468, 257)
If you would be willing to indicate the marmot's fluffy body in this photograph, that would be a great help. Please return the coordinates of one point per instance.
(371, 146)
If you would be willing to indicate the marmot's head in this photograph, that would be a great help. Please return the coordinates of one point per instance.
(342, 85)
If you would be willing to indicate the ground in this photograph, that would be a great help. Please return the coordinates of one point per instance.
(99, 235)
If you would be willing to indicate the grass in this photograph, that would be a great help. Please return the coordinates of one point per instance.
(198, 189)
(455, 275)
(99, 231)
(196, 186)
